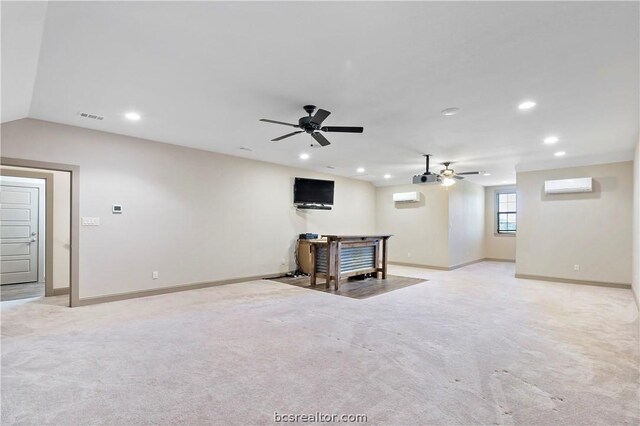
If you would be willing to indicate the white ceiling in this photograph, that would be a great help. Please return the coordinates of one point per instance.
(202, 74)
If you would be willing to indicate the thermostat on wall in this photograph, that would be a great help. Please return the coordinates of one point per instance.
(117, 209)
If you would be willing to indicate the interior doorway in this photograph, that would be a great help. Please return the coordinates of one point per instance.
(22, 237)
(35, 232)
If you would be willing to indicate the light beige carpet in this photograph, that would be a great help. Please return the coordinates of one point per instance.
(473, 346)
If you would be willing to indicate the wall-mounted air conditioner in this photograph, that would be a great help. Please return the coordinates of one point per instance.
(406, 197)
(564, 186)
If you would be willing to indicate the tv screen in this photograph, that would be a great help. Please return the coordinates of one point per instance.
(313, 191)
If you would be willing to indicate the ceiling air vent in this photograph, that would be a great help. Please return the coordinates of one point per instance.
(91, 116)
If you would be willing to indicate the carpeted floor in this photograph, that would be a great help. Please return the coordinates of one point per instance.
(355, 288)
(471, 346)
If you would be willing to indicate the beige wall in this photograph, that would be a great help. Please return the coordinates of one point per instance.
(192, 215)
(466, 223)
(636, 224)
(197, 216)
(555, 232)
(496, 246)
(61, 228)
(419, 229)
(444, 229)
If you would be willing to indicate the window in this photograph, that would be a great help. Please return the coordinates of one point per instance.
(506, 202)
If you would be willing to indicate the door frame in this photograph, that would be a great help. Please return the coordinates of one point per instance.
(74, 265)
(48, 223)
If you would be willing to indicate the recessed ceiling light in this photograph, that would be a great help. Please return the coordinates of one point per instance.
(450, 111)
(504, 181)
(527, 105)
(560, 154)
(387, 176)
(551, 140)
(134, 116)
(486, 174)
(360, 170)
(304, 156)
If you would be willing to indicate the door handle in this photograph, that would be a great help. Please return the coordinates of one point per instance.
(33, 240)
(33, 234)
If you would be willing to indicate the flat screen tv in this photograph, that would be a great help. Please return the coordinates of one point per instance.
(313, 191)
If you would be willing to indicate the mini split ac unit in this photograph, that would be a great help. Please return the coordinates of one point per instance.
(565, 186)
(406, 197)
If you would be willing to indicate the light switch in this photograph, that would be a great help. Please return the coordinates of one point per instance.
(116, 209)
(90, 221)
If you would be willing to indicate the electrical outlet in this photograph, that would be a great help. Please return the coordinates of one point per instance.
(154, 275)
(576, 267)
(408, 254)
(283, 261)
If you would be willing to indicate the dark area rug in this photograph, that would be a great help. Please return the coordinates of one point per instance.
(355, 288)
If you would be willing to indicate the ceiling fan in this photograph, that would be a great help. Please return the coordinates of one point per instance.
(313, 125)
(446, 176)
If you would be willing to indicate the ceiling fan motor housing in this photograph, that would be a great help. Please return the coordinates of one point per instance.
(305, 124)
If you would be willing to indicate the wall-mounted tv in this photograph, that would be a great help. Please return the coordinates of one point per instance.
(313, 191)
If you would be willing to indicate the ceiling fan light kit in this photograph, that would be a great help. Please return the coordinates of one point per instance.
(312, 124)
(448, 181)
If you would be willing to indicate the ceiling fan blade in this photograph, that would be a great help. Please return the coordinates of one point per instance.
(320, 116)
(343, 129)
(468, 173)
(320, 139)
(286, 136)
(458, 177)
(278, 122)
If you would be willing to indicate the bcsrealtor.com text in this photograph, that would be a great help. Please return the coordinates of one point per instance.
(318, 417)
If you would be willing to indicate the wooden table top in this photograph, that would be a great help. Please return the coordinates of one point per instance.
(356, 237)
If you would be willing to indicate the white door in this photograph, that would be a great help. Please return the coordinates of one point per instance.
(18, 234)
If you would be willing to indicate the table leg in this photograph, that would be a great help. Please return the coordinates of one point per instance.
(384, 259)
(329, 262)
(337, 255)
(313, 265)
(376, 259)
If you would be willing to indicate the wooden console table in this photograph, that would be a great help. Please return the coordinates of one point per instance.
(343, 256)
